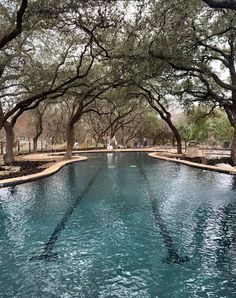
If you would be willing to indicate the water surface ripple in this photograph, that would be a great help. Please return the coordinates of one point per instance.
(111, 244)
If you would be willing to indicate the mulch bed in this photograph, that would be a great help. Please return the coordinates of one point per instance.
(211, 162)
(202, 160)
(27, 168)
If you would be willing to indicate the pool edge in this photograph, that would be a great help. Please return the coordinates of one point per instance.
(45, 173)
(194, 164)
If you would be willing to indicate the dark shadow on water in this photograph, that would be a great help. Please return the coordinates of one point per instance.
(48, 254)
(13, 189)
(233, 182)
(173, 255)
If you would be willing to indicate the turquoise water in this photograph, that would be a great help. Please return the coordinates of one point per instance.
(120, 225)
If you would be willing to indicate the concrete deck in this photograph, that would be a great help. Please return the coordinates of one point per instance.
(221, 169)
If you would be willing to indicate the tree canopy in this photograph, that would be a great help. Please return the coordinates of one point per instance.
(91, 58)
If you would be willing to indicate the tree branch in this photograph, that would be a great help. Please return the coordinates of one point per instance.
(18, 28)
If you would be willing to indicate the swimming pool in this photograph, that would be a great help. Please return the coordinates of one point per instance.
(120, 225)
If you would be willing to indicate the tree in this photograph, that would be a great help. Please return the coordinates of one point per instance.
(72, 59)
(211, 128)
(10, 33)
(82, 98)
(117, 115)
(38, 116)
(196, 53)
(157, 103)
(54, 124)
(140, 69)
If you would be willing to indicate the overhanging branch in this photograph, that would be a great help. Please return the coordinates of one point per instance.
(18, 28)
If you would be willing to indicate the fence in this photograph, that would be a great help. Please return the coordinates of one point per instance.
(140, 143)
(26, 146)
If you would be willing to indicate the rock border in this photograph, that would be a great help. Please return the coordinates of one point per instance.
(47, 172)
(194, 164)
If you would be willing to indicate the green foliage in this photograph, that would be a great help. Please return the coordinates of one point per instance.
(212, 130)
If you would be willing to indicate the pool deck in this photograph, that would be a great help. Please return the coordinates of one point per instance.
(220, 169)
(45, 173)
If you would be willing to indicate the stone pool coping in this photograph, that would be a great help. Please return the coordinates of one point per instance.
(45, 173)
(225, 170)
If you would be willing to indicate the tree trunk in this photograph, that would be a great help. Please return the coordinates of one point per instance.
(35, 141)
(70, 139)
(29, 145)
(9, 156)
(176, 135)
(98, 141)
(39, 131)
(173, 141)
(178, 141)
(233, 147)
(35, 144)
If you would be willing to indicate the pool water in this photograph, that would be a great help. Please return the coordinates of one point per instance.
(120, 225)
